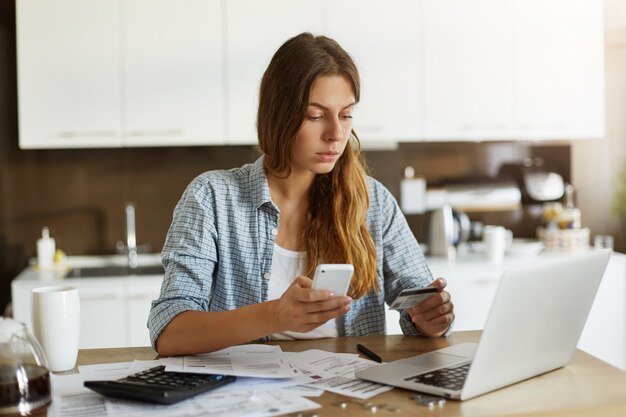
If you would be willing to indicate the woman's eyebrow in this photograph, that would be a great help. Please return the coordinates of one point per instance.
(314, 104)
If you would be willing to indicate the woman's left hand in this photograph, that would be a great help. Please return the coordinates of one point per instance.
(433, 316)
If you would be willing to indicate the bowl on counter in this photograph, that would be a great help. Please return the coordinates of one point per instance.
(519, 247)
(525, 247)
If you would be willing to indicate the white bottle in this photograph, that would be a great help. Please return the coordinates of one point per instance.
(45, 249)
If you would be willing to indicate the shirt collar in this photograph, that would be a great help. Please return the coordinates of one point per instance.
(259, 187)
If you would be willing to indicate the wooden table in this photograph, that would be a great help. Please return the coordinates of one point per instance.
(586, 387)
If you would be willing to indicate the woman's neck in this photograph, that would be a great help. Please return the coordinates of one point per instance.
(290, 190)
(291, 195)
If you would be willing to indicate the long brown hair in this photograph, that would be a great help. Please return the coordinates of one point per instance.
(336, 230)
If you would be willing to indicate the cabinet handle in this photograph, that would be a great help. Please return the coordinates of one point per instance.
(144, 296)
(80, 134)
(498, 127)
(379, 145)
(485, 281)
(100, 297)
(543, 126)
(369, 129)
(156, 132)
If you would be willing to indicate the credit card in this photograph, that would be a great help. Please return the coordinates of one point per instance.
(409, 297)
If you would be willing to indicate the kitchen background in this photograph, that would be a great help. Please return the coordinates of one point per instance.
(80, 193)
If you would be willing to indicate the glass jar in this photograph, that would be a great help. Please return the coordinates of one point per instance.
(24, 375)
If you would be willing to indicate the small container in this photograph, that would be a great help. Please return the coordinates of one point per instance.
(551, 212)
(569, 219)
(46, 248)
(564, 240)
(412, 193)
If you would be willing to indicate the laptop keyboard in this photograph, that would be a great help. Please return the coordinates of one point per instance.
(449, 378)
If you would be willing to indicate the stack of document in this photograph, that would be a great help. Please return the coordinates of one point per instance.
(269, 382)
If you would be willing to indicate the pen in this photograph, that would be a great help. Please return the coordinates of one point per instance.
(368, 353)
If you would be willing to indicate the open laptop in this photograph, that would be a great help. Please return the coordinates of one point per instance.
(533, 327)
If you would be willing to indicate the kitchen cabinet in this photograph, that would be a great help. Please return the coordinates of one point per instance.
(349, 22)
(559, 69)
(254, 31)
(388, 57)
(102, 314)
(172, 72)
(69, 73)
(97, 73)
(513, 69)
(141, 293)
(468, 67)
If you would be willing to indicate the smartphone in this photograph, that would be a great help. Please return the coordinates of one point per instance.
(412, 296)
(333, 277)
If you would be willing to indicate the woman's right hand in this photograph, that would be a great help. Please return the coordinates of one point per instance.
(302, 309)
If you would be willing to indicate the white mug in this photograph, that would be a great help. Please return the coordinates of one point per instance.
(496, 239)
(55, 315)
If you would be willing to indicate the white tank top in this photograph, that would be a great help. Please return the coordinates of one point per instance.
(286, 266)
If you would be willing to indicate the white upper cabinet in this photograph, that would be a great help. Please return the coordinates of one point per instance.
(513, 69)
(172, 72)
(383, 38)
(101, 73)
(68, 73)
(467, 66)
(559, 69)
(255, 30)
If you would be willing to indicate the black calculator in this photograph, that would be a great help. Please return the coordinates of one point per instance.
(157, 386)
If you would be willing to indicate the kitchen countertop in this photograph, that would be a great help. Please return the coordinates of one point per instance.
(470, 260)
(56, 274)
(465, 259)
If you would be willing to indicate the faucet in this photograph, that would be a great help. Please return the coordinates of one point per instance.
(131, 237)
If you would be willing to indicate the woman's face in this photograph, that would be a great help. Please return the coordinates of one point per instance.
(324, 133)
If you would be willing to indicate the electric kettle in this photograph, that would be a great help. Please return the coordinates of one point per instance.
(24, 375)
(448, 229)
(441, 233)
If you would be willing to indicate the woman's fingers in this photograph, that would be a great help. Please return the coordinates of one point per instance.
(304, 309)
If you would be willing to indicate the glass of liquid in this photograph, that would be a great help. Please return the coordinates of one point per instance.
(603, 242)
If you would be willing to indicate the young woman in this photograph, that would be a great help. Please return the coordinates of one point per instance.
(243, 244)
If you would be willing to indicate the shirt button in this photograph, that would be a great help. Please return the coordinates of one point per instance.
(266, 275)
(274, 232)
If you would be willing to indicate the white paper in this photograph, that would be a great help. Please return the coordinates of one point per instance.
(118, 407)
(304, 390)
(352, 387)
(247, 360)
(138, 366)
(71, 399)
(258, 404)
(335, 372)
(326, 364)
(263, 384)
(106, 371)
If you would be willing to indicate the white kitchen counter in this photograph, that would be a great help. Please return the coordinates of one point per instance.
(115, 310)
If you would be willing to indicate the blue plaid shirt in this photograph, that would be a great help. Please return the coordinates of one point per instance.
(218, 252)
